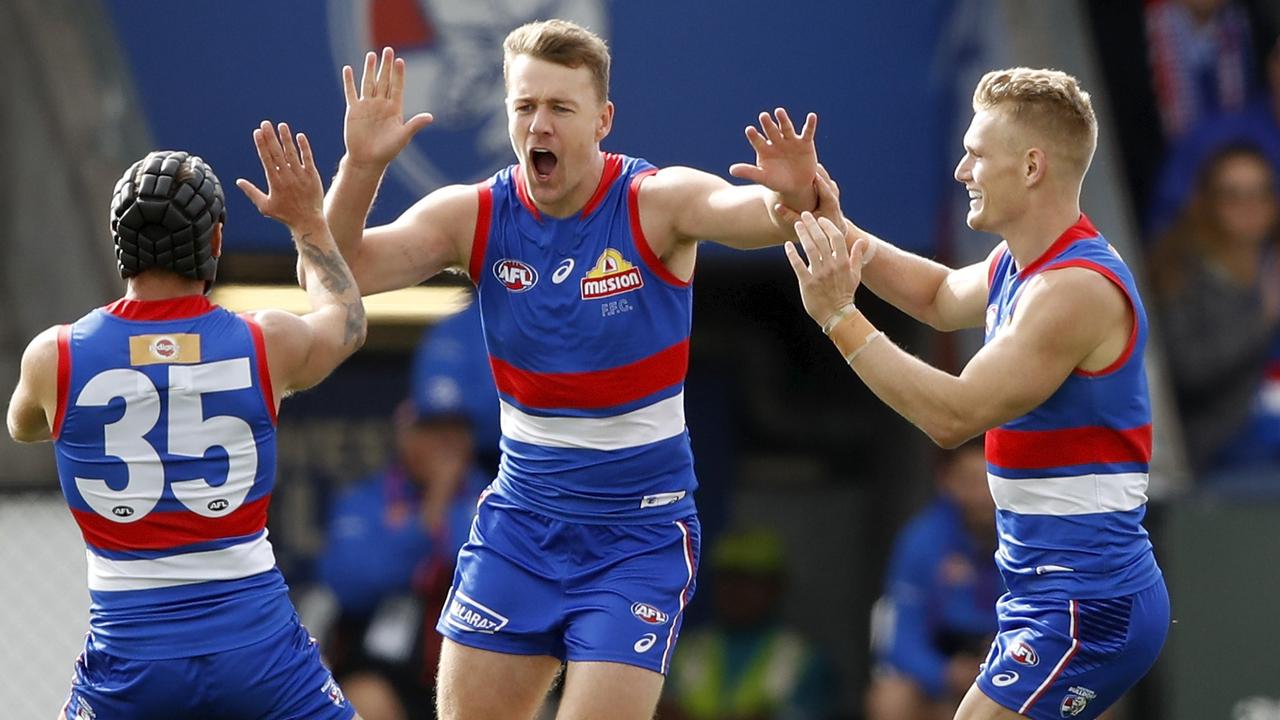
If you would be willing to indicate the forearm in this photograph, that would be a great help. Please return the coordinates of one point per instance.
(932, 400)
(337, 310)
(909, 282)
(347, 204)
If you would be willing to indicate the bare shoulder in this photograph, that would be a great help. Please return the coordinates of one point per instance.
(43, 348)
(278, 325)
(672, 186)
(1074, 301)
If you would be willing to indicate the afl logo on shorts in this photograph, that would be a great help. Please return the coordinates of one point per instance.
(453, 56)
(648, 613)
(1024, 654)
(515, 275)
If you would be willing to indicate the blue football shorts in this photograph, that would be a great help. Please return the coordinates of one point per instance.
(528, 584)
(278, 678)
(1057, 658)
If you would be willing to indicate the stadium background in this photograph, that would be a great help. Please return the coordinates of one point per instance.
(783, 435)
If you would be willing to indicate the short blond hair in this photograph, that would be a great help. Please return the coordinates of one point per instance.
(564, 43)
(1048, 102)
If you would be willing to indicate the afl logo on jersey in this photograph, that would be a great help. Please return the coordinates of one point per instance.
(453, 55)
(648, 613)
(515, 275)
(612, 275)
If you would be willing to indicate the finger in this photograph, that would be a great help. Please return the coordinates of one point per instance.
(835, 240)
(349, 85)
(797, 264)
(807, 242)
(758, 141)
(828, 192)
(784, 123)
(256, 196)
(304, 147)
(748, 172)
(290, 152)
(859, 249)
(817, 238)
(770, 128)
(384, 72)
(417, 123)
(368, 78)
(822, 173)
(785, 214)
(271, 144)
(810, 129)
(264, 153)
(397, 81)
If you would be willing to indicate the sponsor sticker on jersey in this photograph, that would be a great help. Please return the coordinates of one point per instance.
(514, 275)
(333, 692)
(470, 616)
(176, 348)
(648, 613)
(612, 275)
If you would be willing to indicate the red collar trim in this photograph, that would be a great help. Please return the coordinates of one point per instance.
(179, 308)
(612, 170)
(1083, 229)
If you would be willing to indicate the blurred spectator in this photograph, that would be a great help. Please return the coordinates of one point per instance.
(1201, 55)
(746, 665)
(1257, 124)
(393, 538)
(1218, 298)
(937, 618)
(457, 343)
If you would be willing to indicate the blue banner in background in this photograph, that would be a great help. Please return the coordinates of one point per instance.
(687, 78)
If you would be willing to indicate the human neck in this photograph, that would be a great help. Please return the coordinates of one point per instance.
(159, 285)
(576, 199)
(1031, 235)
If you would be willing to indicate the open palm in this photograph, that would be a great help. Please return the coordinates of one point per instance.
(786, 161)
(375, 130)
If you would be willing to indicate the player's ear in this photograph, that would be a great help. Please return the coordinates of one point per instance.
(604, 122)
(1034, 166)
(215, 242)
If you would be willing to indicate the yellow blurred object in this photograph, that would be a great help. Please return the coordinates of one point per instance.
(755, 551)
(415, 305)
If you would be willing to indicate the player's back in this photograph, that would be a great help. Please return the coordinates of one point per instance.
(165, 444)
(1069, 477)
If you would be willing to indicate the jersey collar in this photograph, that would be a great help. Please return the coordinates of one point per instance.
(179, 308)
(612, 170)
(1081, 230)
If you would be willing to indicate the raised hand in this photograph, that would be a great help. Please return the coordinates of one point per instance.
(374, 128)
(830, 277)
(786, 161)
(295, 194)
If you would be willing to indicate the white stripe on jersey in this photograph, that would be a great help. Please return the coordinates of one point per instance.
(229, 563)
(659, 421)
(1075, 495)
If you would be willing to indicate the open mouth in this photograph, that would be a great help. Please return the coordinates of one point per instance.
(543, 163)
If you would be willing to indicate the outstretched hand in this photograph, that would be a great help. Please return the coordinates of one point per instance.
(295, 194)
(786, 161)
(830, 277)
(374, 129)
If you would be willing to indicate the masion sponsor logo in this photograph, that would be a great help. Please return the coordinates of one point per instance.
(612, 275)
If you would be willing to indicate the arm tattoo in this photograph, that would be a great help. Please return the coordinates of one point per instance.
(336, 278)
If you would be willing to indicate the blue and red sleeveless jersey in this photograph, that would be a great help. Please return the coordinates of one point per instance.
(166, 451)
(588, 338)
(1069, 478)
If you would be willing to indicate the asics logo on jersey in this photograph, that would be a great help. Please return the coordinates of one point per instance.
(612, 275)
(645, 642)
(515, 275)
(1004, 679)
(469, 615)
(562, 271)
(648, 613)
(1024, 654)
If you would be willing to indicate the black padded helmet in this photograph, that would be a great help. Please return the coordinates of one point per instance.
(162, 215)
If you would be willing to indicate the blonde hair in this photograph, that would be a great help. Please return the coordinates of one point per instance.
(1048, 102)
(563, 43)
